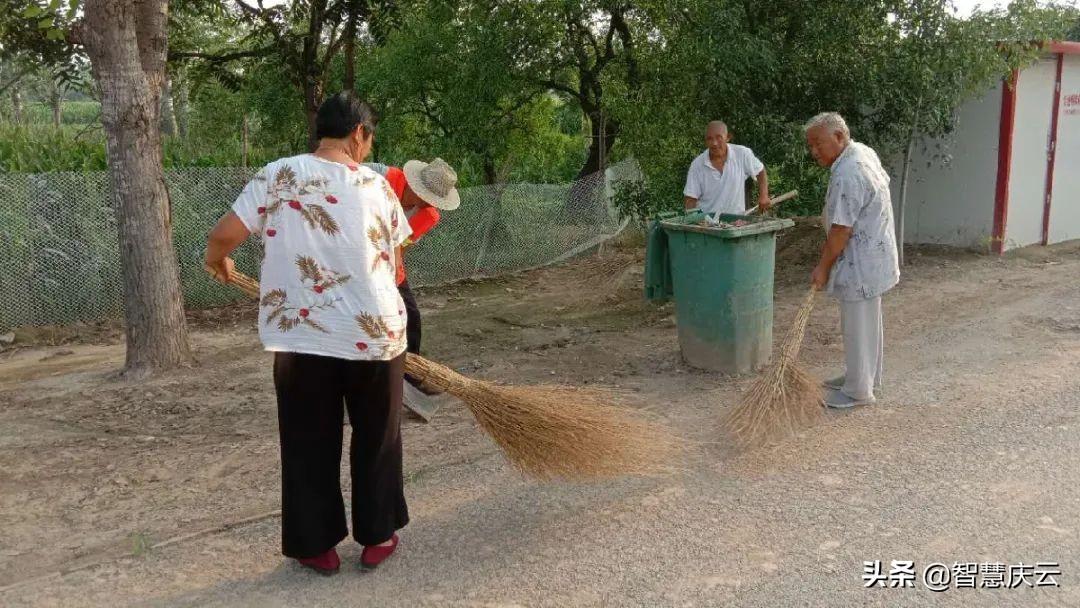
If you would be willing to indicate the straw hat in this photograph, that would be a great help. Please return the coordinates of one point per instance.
(434, 182)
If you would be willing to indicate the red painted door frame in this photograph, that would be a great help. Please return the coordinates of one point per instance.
(1004, 168)
(1052, 152)
(1006, 128)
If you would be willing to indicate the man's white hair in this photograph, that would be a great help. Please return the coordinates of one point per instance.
(831, 121)
(716, 123)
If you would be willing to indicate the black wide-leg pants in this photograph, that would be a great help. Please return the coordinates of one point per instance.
(313, 393)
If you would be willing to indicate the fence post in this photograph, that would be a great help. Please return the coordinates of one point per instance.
(499, 187)
(244, 143)
(487, 235)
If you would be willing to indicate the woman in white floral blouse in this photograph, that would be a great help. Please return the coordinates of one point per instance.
(331, 314)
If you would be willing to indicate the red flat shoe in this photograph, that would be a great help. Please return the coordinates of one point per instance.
(374, 555)
(326, 564)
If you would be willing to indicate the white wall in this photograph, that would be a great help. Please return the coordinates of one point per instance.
(1027, 182)
(1065, 204)
(952, 181)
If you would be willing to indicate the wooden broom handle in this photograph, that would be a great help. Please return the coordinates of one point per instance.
(776, 201)
(239, 280)
(414, 364)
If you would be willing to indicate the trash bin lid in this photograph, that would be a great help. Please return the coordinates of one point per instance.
(748, 225)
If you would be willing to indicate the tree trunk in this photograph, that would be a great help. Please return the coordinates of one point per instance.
(491, 175)
(603, 131)
(126, 41)
(497, 230)
(310, 72)
(901, 205)
(55, 101)
(16, 105)
(311, 108)
(244, 142)
(349, 83)
(586, 187)
(181, 108)
(310, 90)
(6, 82)
(350, 45)
(168, 116)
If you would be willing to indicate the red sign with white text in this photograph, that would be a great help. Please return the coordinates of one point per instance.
(1072, 104)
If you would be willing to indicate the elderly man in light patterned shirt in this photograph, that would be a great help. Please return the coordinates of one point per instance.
(859, 260)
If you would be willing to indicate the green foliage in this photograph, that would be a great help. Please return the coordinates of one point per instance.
(57, 225)
(764, 77)
(632, 199)
(766, 68)
(505, 90)
(71, 113)
(214, 140)
(33, 33)
(141, 544)
(444, 88)
(39, 148)
(275, 114)
(60, 230)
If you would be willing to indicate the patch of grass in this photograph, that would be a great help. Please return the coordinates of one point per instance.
(141, 544)
(39, 148)
(71, 112)
(414, 476)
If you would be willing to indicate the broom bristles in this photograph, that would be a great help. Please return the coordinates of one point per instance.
(551, 432)
(782, 400)
(558, 432)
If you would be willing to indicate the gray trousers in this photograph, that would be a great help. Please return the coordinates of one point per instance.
(864, 346)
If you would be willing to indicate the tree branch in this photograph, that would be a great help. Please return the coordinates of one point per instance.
(751, 21)
(352, 9)
(15, 79)
(588, 36)
(266, 16)
(580, 54)
(336, 41)
(558, 86)
(508, 113)
(618, 23)
(151, 27)
(609, 49)
(225, 58)
(310, 54)
(250, 10)
(430, 114)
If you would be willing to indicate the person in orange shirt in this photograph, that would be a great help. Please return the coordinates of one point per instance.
(423, 189)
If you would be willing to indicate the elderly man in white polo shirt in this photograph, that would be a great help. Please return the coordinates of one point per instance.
(716, 181)
(859, 261)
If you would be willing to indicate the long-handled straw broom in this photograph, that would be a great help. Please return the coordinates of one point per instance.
(784, 398)
(550, 432)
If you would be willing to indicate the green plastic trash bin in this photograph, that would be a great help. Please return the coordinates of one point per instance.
(722, 279)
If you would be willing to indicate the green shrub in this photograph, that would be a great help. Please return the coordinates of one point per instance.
(71, 113)
(38, 148)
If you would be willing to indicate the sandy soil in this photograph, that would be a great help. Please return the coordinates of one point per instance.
(94, 471)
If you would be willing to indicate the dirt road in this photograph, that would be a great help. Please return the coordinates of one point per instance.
(969, 457)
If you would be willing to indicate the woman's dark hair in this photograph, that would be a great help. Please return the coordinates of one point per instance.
(341, 114)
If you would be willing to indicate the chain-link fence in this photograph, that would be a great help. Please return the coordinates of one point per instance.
(61, 261)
